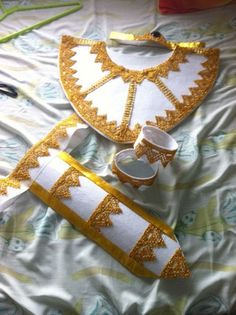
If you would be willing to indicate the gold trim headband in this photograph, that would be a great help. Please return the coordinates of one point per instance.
(139, 166)
(156, 145)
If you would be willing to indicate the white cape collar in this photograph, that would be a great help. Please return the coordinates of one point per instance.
(117, 101)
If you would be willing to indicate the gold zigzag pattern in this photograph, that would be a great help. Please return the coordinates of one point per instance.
(137, 76)
(7, 182)
(182, 109)
(110, 128)
(40, 149)
(77, 97)
(176, 267)
(69, 179)
(144, 248)
(101, 216)
(153, 155)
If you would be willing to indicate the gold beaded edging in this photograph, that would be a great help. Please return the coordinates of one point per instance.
(176, 267)
(40, 149)
(8, 182)
(151, 239)
(100, 218)
(154, 153)
(173, 117)
(135, 182)
(98, 84)
(90, 232)
(69, 179)
(128, 106)
(171, 64)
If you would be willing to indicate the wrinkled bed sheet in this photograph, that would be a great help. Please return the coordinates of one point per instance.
(48, 267)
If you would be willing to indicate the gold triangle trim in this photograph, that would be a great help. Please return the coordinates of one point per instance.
(110, 128)
(40, 149)
(100, 218)
(137, 76)
(153, 155)
(98, 84)
(69, 179)
(144, 248)
(176, 267)
(7, 182)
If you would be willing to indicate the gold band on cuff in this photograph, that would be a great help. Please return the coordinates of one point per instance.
(90, 232)
(154, 153)
(135, 182)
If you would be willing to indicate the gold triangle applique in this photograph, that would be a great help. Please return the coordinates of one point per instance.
(176, 267)
(101, 216)
(8, 182)
(40, 149)
(112, 129)
(144, 248)
(69, 179)
(153, 155)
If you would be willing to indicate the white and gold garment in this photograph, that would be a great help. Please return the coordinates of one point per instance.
(117, 90)
(117, 94)
(142, 243)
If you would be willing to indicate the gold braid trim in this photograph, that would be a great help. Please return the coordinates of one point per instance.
(176, 267)
(128, 106)
(173, 117)
(143, 250)
(98, 84)
(101, 215)
(190, 102)
(172, 64)
(69, 179)
(77, 98)
(40, 149)
(135, 182)
(153, 154)
(166, 91)
(7, 182)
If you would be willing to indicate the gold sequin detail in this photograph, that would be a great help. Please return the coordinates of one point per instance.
(69, 179)
(153, 155)
(8, 182)
(172, 64)
(129, 106)
(98, 84)
(167, 92)
(101, 216)
(110, 128)
(176, 267)
(77, 98)
(190, 102)
(124, 178)
(40, 149)
(144, 249)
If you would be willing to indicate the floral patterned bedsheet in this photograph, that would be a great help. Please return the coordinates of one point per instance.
(47, 267)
